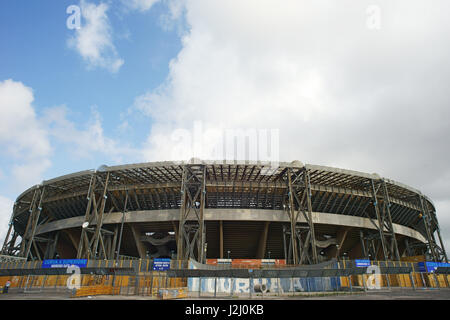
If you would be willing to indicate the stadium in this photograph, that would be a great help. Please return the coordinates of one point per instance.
(223, 210)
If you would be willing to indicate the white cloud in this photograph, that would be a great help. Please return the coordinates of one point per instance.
(22, 136)
(94, 40)
(24, 144)
(340, 93)
(20, 131)
(27, 141)
(174, 17)
(86, 142)
(141, 5)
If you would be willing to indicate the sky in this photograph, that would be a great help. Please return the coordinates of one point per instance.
(356, 85)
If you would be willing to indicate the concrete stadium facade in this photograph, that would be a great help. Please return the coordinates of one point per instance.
(223, 209)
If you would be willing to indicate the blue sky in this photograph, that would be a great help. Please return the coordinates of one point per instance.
(36, 56)
(356, 85)
(36, 53)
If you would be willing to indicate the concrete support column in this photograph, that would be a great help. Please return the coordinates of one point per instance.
(114, 243)
(137, 239)
(341, 235)
(263, 241)
(53, 247)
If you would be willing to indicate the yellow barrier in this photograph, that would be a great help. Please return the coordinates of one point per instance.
(414, 259)
(149, 283)
(173, 293)
(97, 290)
(421, 280)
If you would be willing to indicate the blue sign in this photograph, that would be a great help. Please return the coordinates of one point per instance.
(430, 266)
(161, 264)
(64, 263)
(362, 263)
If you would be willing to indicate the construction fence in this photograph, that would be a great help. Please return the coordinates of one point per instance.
(142, 284)
(190, 279)
(99, 277)
(338, 276)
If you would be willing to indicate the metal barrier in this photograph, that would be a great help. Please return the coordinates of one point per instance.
(63, 271)
(279, 273)
(135, 277)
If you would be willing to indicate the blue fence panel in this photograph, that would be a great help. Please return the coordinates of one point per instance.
(161, 264)
(362, 263)
(430, 266)
(64, 263)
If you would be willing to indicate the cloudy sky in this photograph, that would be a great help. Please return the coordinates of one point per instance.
(358, 85)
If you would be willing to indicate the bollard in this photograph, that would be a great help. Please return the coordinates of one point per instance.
(260, 287)
(399, 280)
(412, 281)
(151, 284)
(215, 286)
(278, 285)
(231, 287)
(423, 280)
(436, 280)
(388, 282)
(292, 286)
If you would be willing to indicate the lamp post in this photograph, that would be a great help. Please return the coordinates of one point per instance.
(228, 254)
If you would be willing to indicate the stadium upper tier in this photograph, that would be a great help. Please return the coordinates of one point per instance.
(236, 185)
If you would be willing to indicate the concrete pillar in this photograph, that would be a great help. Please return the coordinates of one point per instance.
(139, 245)
(341, 235)
(263, 241)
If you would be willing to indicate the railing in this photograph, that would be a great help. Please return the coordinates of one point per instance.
(135, 277)
(142, 284)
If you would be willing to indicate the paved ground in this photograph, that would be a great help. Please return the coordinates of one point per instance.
(394, 294)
